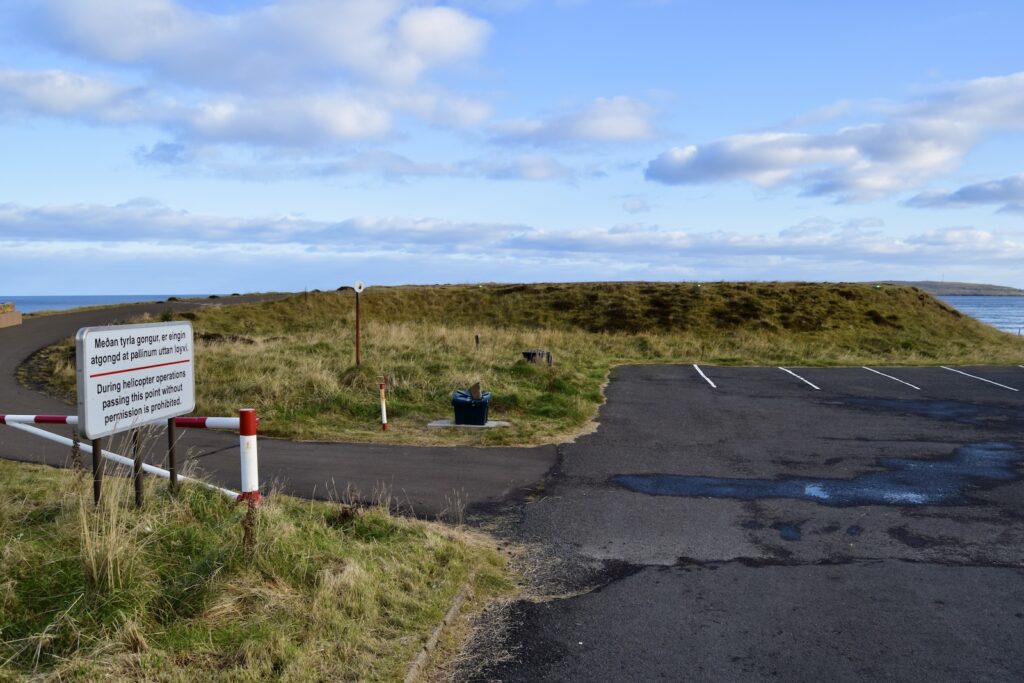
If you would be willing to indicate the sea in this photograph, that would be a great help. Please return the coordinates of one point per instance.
(1003, 312)
(62, 302)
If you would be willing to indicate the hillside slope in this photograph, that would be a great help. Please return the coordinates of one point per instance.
(293, 359)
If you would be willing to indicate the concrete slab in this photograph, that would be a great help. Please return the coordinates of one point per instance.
(491, 424)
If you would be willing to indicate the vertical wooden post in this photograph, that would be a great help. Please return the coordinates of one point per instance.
(357, 329)
(477, 337)
(97, 470)
(172, 463)
(136, 441)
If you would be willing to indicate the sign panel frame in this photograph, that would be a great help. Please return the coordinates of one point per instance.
(131, 375)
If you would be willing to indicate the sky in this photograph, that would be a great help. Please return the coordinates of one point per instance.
(217, 146)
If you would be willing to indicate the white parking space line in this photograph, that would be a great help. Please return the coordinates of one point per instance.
(706, 378)
(890, 377)
(800, 378)
(981, 378)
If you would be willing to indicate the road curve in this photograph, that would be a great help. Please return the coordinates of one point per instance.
(424, 481)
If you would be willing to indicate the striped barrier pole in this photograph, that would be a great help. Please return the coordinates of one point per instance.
(250, 475)
(39, 419)
(183, 422)
(250, 465)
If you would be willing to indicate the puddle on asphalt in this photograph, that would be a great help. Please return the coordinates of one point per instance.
(789, 531)
(905, 481)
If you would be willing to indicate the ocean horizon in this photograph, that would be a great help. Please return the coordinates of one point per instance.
(64, 302)
(1004, 313)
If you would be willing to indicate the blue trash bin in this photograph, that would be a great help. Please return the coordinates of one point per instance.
(468, 410)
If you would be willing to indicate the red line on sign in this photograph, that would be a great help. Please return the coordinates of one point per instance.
(144, 367)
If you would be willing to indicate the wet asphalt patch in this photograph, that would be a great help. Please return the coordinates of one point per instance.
(905, 481)
(957, 411)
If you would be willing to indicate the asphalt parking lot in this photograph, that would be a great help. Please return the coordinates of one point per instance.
(732, 523)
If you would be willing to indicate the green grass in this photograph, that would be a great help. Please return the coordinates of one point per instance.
(168, 593)
(293, 360)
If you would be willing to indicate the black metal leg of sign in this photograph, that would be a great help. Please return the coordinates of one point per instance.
(137, 466)
(97, 470)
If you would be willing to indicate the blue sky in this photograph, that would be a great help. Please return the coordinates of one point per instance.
(219, 146)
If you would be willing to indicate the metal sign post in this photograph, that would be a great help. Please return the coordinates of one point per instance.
(359, 290)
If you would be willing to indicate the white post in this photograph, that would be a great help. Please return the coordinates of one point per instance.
(247, 446)
(383, 409)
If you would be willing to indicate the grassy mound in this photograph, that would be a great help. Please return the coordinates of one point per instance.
(293, 359)
(168, 593)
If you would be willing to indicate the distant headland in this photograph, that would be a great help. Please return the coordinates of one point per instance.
(956, 288)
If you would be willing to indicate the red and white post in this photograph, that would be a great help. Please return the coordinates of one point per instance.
(247, 426)
(383, 408)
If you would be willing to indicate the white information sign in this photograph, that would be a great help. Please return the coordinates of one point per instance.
(130, 375)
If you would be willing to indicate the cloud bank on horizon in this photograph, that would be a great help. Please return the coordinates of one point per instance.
(429, 141)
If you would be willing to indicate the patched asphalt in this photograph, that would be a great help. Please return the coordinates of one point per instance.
(747, 550)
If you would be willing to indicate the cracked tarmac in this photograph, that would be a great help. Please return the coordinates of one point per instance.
(748, 582)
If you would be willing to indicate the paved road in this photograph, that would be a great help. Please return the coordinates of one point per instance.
(865, 527)
(764, 529)
(425, 481)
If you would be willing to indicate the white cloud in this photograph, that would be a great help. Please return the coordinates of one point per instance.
(818, 248)
(919, 140)
(525, 167)
(58, 92)
(635, 205)
(1007, 191)
(303, 120)
(387, 165)
(612, 119)
(309, 74)
(386, 41)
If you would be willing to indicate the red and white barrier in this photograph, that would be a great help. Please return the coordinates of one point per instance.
(247, 447)
(184, 422)
(39, 419)
(246, 423)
